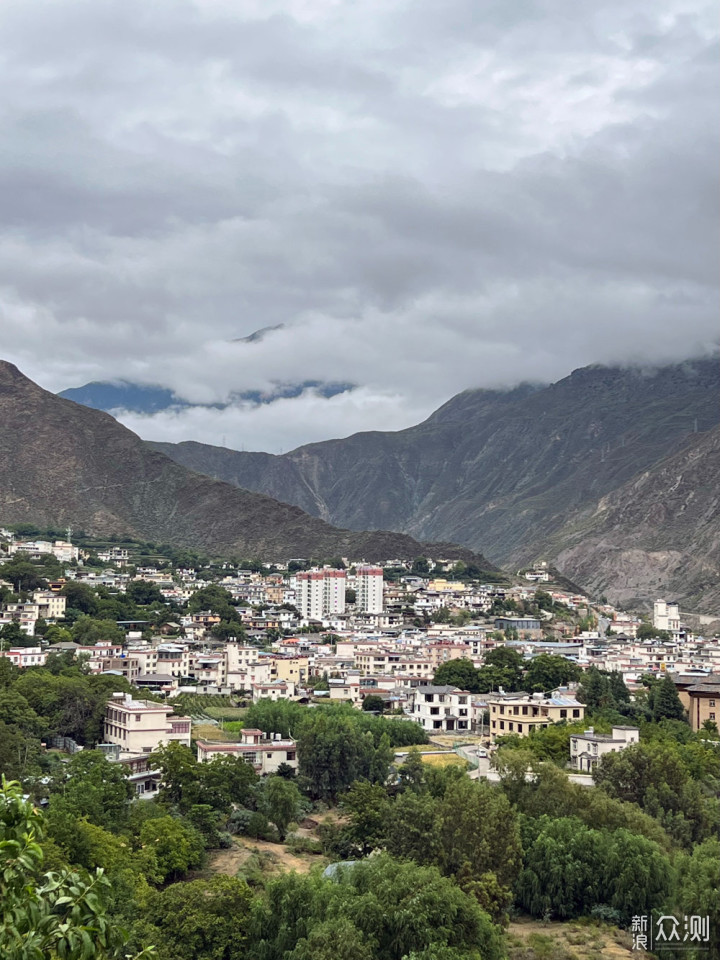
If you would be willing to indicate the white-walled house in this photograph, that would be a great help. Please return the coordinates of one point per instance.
(441, 708)
(140, 726)
(265, 752)
(587, 748)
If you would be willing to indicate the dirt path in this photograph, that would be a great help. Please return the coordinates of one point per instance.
(282, 861)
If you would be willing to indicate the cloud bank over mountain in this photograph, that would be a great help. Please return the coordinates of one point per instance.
(415, 198)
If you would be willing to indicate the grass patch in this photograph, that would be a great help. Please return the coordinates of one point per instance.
(207, 731)
(444, 760)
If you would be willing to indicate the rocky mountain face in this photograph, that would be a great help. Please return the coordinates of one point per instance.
(62, 463)
(657, 535)
(518, 472)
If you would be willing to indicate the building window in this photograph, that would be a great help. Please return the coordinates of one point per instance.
(502, 724)
(510, 726)
(519, 728)
(563, 714)
(712, 703)
(576, 713)
(712, 716)
(137, 718)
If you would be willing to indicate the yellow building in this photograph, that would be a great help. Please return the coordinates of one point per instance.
(521, 713)
(290, 669)
(703, 700)
(447, 586)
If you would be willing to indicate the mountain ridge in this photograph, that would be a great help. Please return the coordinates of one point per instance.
(63, 463)
(510, 470)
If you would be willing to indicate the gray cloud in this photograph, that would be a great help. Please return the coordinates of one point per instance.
(423, 197)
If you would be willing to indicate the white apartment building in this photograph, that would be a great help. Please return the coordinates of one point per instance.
(62, 550)
(320, 593)
(369, 589)
(441, 709)
(589, 747)
(666, 616)
(311, 594)
(140, 726)
(334, 592)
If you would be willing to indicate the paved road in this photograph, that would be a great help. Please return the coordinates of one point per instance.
(484, 769)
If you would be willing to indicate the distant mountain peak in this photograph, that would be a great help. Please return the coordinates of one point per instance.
(260, 334)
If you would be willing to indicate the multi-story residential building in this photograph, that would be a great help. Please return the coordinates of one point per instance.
(291, 669)
(62, 550)
(311, 594)
(265, 753)
(587, 748)
(441, 708)
(369, 589)
(666, 616)
(25, 615)
(700, 696)
(521, 713)
(334, 592)
(279, 690)
(24, 656)
(321, 593)
(245, 667)
(140, 726)
(51, 606)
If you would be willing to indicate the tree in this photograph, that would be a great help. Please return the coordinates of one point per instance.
(570, 868)
(81, 597)
(410, 827)
(228, 630)
(350, 595)
(198, 920)
(546, 672)
(393, 908)
(657, 776)
(143, 592)
(56, 634)
(458, 673)
(508, 664)
(177, 848)
(666, 702)
(646, 631)
(373, 703)
(87, 631)
(93, 788)
(420, 567)
(23, 574)
(478, 837)
(698, 889)
(46, 915)
(368, 805)
(282, 803)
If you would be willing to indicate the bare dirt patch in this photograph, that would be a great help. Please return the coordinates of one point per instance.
(533, 940)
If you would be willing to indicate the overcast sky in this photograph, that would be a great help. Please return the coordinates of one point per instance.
(428, 195)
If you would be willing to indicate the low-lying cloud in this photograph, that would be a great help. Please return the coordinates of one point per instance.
(419, 197)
